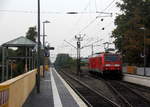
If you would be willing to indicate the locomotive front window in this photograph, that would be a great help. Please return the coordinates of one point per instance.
(111, 58)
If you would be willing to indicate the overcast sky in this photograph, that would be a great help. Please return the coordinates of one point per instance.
(16, 16)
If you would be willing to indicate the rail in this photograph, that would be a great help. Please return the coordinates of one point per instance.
(90, 90)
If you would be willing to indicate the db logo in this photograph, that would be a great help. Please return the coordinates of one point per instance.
(4, 97)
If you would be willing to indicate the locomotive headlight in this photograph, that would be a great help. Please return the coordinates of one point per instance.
(107, 65)
(117, 65)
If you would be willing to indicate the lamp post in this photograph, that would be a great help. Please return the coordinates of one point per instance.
(44, 45)
(144, 51)
(39, 51)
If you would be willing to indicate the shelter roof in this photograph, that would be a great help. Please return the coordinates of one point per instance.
(19, 42)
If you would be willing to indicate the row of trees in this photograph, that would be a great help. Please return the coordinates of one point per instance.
(129, 33)
(64, 61)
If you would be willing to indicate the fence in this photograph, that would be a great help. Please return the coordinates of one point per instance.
(14, 92)
(137, 70)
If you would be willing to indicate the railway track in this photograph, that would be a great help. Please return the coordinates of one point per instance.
(142, 90)
(120, 99)
(91, 97)
(128, 95)
(124, 93)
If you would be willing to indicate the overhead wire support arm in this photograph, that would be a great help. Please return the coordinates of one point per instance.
(106, 14)
(70, 44)
(101, 12)
(91, 43)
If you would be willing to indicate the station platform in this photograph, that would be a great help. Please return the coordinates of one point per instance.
(136, 79)
(54, 92)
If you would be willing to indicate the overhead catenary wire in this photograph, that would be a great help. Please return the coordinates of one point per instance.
(83, 10)
(70, 44)
(95, 5)
(28, 11)
(89, 3)
(45, 12)
(78, 20)
(108, 5)
(92, 43)
(88, 26)
(91, 22)
(102, 12)
(112, 6)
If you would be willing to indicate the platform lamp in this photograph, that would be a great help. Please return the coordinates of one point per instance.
(44, 45)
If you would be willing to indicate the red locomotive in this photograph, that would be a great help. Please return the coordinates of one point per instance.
(106, 63)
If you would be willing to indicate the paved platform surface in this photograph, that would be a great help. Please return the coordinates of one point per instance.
(141, 80)
(55, 92)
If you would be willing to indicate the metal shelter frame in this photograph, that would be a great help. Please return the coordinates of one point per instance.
(22, 42)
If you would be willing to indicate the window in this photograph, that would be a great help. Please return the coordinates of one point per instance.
(111, 58)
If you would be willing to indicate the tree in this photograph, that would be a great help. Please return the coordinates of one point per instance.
(64, 60)
(129, 38)
(32, 34)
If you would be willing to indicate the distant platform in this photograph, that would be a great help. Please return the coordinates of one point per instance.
(140, 80)
(55, 92)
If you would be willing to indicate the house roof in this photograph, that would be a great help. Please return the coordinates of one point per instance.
(18, 42)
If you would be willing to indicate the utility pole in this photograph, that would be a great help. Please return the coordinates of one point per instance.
(39, 51)
(79, 39)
